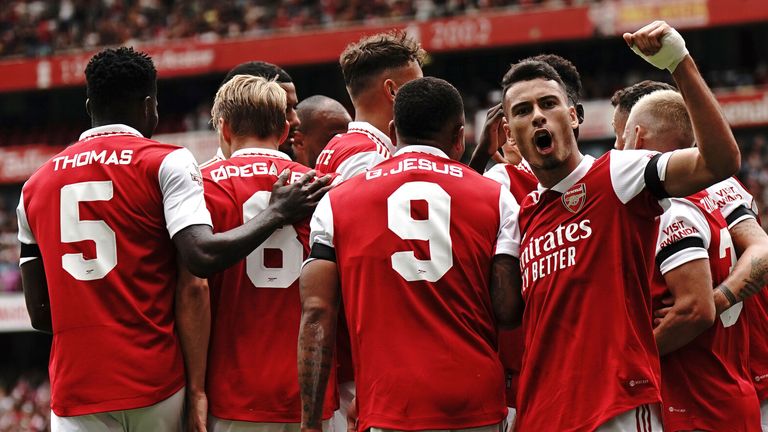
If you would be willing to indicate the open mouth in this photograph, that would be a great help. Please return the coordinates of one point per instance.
(542, 139)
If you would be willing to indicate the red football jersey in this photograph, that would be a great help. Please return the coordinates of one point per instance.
(520, 181)
(414, 240)
(736, 205)
(256, 310)
(351, 153)
(705, 384)
(103, 212)
(587, 262)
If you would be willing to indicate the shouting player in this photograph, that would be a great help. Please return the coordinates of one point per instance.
(101, 224)
(715, 365)
(255, 303)
(590, 360)
(423, 284)
(321, 118)
(373, 68)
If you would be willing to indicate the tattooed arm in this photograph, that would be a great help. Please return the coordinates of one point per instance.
(506, 297)
(750, 274)
(319, 288)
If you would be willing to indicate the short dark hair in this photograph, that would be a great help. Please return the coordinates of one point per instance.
(527, 70)
(567, 71)
(424, 107)
(365, 59)
(259, 69)
(115, 76)
(627, 97)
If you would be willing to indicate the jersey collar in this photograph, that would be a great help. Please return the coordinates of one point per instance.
(253, 151)
(422, 149)
(372, 133)
(110, 129)
(573, 177)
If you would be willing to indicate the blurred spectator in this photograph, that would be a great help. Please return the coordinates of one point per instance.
(25, 405)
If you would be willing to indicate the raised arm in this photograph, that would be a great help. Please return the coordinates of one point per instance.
(206, 253)
(491, 139)
(320, 296)
(717, 154)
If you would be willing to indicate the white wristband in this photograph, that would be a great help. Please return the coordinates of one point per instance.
(670, 55)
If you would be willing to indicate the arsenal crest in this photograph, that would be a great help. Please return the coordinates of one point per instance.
(574, 198)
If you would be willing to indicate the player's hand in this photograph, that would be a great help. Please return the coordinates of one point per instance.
(659, 314)
(658, 44)
(197, 412)
(296, 201)
(493, 136)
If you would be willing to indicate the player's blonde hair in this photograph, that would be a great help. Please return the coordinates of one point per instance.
(663, 113)
(251, 106)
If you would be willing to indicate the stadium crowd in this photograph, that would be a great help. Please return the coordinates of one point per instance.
(25, 404)
(42, 27)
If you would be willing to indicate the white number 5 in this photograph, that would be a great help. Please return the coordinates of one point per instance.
(436, 229)
(75, 230)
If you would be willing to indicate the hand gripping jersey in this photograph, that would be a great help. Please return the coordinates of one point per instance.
(736, 205)
(705, 384)
(103, 212)
(520, 181)
(414, 282)
(587, 261)
(349, 154)
(255, 305)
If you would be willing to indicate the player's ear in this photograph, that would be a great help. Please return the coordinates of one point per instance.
(574, 117)
(458, 143)
(640, 137)
(88, 107)
(390, 88)
(507, 130)
(392, 132)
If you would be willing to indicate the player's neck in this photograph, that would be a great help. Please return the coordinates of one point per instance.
(549, 177)
(241, 143)
(376, 118)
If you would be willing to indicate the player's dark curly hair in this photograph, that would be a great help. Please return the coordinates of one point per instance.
(567, 71)
(259, 69)
(527, 70)
(365, 59)
(627, 97)
(424, 107)
(119, 76)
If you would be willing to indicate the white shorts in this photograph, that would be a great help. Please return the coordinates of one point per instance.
(346, 396)
(511, 415)
(645, 418)
(493, 428)
(220, 425)
(764, 414)
(164, 416)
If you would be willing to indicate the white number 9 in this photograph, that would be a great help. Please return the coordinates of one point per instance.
(436, 229)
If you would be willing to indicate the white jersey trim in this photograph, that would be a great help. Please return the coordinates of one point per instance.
(321, 225)
(731, 201)
(110, 129)
(682, 220)
(25, 232)
(628, 172)
(499, 174)
(359, 163)
(374, 134)
(508, 236)
(571, 179)
(182, 188)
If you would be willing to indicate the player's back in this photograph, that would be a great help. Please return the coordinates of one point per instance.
(414, 240)
(351, 153)
(707, 383)
(255, 303)
(96, 211)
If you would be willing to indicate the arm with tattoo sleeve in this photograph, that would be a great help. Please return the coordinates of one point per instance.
(751, 271)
